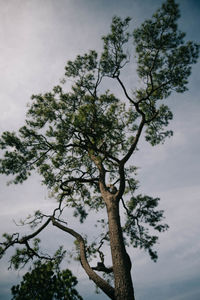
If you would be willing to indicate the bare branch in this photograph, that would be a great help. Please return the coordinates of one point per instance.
(30, 236)
(102, 284)
(134, 144)
(102, 268)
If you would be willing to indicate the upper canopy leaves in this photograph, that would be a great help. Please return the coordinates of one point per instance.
(164, 59)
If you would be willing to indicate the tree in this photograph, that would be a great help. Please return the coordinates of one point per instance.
(81, 142)
(46, 281)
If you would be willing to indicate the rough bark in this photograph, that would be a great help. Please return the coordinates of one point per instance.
(121, 261)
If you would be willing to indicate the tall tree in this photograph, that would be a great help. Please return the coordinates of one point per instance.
(81, 142)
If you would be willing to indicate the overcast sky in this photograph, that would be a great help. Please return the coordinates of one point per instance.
(37, 37)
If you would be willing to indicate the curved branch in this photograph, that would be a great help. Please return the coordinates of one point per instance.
(101, 283)
(124, 89)
(126, 158)
(30, 236)
(134, 144)
(24, 240)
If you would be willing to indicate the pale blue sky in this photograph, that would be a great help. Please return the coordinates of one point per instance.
(36, 39)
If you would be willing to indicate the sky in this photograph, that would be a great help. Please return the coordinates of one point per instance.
(37, 37)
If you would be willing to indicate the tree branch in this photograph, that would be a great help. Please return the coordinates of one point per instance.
(124, 89)
(125, 159)
(78, 179)
(24, 240)
(102, 268)
(102, 174)
(30, 236)
(101, 283)
(134, 145)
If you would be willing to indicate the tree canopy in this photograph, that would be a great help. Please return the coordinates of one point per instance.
(81, 142)
(46, 282)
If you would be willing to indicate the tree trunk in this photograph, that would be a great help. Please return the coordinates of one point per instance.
(120, 259)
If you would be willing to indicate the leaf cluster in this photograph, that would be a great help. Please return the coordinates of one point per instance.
(141, 215)
(45, 282)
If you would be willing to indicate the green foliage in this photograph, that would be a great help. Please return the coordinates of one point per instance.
(155, 132)
(164, 65)
(142, 212)
(164, 59)
(114, 57)
(69, 136)
(23, 255)
(46, 282)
